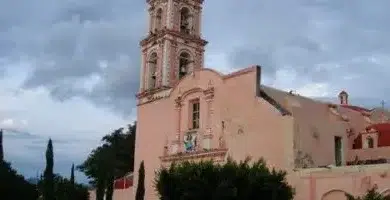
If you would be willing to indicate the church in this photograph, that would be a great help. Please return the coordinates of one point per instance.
(188, 112)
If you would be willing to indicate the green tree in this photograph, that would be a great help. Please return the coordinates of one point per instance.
(14, 186)
(72, 187)
(112, 160)
(232, 181)
(48, 190)
(141, 183)
(1, 146)
(372, 194)
(72, 175)
(65, 190)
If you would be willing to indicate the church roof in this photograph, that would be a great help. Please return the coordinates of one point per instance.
(357, 108)
(313, 111)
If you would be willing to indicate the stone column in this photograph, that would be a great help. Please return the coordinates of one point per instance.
(178, 138)
(160, 62)
(165, 69)
(169, 15)
(209, 113)
(200, 22)
(173, 63)
(209, 98)
(142, 72)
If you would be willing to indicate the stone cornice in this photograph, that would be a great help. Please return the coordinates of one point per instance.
(149, 92)
(151, 95)
(154, 37)
(212, 154)
(156, 1)
(186, 1)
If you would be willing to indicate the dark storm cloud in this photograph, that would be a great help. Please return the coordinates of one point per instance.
(67, 42)
(314, 36)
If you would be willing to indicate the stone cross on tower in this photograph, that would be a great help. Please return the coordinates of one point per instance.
(384, 118)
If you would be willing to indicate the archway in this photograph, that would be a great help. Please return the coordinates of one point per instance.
(184, 64)
(334, 195)
(152, 70)
(158, 22)
(185, 16)
(370, 142)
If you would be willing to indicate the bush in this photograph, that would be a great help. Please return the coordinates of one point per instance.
(372, 194)
(231, 181)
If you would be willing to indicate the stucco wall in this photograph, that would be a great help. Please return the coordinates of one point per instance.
(125, 194)
(369, 154)
(315, 128)
(252, 126)
(331, 184)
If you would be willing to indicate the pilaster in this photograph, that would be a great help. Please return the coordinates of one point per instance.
(166, 60)
(177, 143)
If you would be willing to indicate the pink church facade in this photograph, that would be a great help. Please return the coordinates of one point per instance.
(239, 117)
(188, 112)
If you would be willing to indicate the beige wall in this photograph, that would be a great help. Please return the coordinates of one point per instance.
(369, 154)
(253, 126)
(314, 130)
(331, 184)
(125, 194)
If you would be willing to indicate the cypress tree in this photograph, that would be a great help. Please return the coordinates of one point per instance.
(48, 193)
(72, 175)
(141, 183)
(71, 192)
(1, 146)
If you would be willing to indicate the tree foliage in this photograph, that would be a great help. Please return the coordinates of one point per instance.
(72, 175)
(65, 190)
(141, 183)
(1, 146)
(14, 186)
(232, 181)
(48, 182)
(111, 160)
(372, 194)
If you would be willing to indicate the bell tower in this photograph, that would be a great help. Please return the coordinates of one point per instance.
(173, 47)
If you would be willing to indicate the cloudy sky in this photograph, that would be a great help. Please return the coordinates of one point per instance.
(69, 68)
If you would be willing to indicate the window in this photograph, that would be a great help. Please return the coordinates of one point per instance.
(185, 20)
(370, 142)
(158, 19)
(195, 114)
(338, 150)
(184, 62)
(152, 66)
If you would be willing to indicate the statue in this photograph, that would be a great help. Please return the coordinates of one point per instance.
(190, 142)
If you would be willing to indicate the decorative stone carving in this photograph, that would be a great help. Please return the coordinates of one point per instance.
(178, 102)
(221, 142)
(209, 92)
(166, 149)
